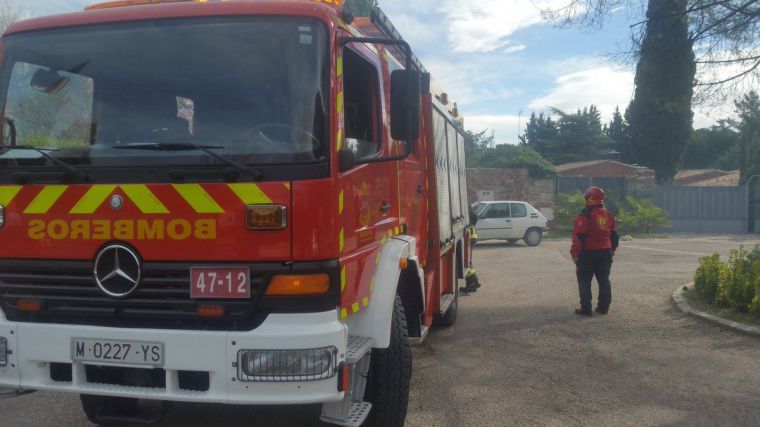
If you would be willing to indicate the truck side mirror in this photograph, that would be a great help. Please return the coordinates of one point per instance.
(405, 105)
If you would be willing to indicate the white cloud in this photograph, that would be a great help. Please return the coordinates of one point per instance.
(485, 25)
(505, 128)
(603, 86)
(515, 48)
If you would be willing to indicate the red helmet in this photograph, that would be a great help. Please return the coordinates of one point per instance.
(594, 196)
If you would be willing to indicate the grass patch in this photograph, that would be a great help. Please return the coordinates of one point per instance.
(698, 302)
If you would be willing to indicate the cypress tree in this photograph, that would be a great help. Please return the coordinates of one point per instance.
(660, 114)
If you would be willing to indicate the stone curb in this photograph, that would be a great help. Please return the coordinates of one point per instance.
(684, 306)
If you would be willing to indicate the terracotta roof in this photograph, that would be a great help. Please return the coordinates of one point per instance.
(578, 165)
(730, 179)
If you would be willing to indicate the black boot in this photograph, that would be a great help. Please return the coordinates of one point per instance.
(584, 312)
(600, 310)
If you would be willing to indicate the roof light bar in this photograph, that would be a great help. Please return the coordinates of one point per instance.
(122, 3)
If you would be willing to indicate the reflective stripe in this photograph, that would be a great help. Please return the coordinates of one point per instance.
(339, 66)
(46, 199)
(92, 199)
(339, 139)
(8, 193)
(343, 313)
(341, 240)
(145, 200)
(250, 194)
(365, 301)
(340, 102)
(340, 203)
(343, 279)
(198, 198)
(355, 307)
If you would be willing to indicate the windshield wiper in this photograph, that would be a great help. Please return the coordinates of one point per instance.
(71, 170)
(188, 146)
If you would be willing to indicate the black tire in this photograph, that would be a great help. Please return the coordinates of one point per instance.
(534, 236)
(390, 374)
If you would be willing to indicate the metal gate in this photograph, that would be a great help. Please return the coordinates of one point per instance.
(705, 209)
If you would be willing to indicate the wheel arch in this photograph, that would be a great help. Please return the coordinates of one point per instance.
(375, 321)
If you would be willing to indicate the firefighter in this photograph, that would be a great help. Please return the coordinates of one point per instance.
(595, 240)
(471, 278)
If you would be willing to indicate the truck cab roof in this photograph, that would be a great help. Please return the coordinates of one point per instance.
(185, 9)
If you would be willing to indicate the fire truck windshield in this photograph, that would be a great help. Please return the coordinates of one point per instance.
(253, 88)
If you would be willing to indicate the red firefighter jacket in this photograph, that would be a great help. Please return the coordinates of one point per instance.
(594, 230)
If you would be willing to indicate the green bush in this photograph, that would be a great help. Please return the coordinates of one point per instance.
(735, 287)
(707, 276)
(567, 208)
(642, 216)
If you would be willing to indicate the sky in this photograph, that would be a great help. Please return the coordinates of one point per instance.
(500, 61)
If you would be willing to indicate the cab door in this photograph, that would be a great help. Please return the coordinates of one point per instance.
(494, 222)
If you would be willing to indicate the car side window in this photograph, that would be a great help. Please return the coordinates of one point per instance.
(497, 210)
(519, 210)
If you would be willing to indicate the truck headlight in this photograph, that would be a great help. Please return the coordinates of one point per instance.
(287, 365)
(3, 351)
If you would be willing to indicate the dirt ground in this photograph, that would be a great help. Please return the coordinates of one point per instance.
(518, 356)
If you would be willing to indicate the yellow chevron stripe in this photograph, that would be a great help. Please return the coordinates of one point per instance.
(341, 240)
(372, 284)
(145, 200)
(46, 199)
(339, 139)
(92, 199)
(343, 278)
(355, 307)
(340, 203)
(343, 313)
(8, 193)
(339, 66)
(198, 198)
(250, 194)
(365, 301)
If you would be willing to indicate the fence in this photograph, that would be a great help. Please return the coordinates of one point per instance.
(705, 209)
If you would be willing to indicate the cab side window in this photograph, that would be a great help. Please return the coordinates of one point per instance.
(497, 210)
(360, 95)
(518, 210)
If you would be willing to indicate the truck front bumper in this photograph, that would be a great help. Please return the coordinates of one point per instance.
(34, 347)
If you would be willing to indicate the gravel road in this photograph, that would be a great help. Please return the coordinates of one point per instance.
(518, 356)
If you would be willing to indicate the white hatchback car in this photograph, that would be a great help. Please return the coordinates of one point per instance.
(510, 221)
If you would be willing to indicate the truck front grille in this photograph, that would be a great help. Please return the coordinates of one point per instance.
(69, 295)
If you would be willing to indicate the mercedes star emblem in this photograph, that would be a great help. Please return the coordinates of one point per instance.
(117, 270)
(116, 202)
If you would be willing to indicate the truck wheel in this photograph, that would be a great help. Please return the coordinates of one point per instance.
(390, 374)
(533, 237)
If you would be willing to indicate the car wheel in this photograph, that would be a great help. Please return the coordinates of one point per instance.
(533, 237)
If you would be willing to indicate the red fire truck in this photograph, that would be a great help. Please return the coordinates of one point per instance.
(240, 202)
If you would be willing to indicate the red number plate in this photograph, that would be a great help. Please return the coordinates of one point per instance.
(220, 283)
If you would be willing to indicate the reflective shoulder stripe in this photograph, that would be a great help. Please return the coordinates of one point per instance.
(45, 199)
(198, 198)
(92, 200)
(145, 200)
(250, 194)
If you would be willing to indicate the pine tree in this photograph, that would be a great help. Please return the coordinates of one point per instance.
(617, 130)
(748, 110)
(660, 114)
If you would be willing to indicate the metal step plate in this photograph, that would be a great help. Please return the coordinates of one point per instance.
(357, 348)
(357, 414)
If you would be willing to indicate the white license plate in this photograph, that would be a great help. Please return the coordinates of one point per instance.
(117, 351)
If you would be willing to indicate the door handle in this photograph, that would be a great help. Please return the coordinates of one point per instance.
(420, 189)
(385, 207)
